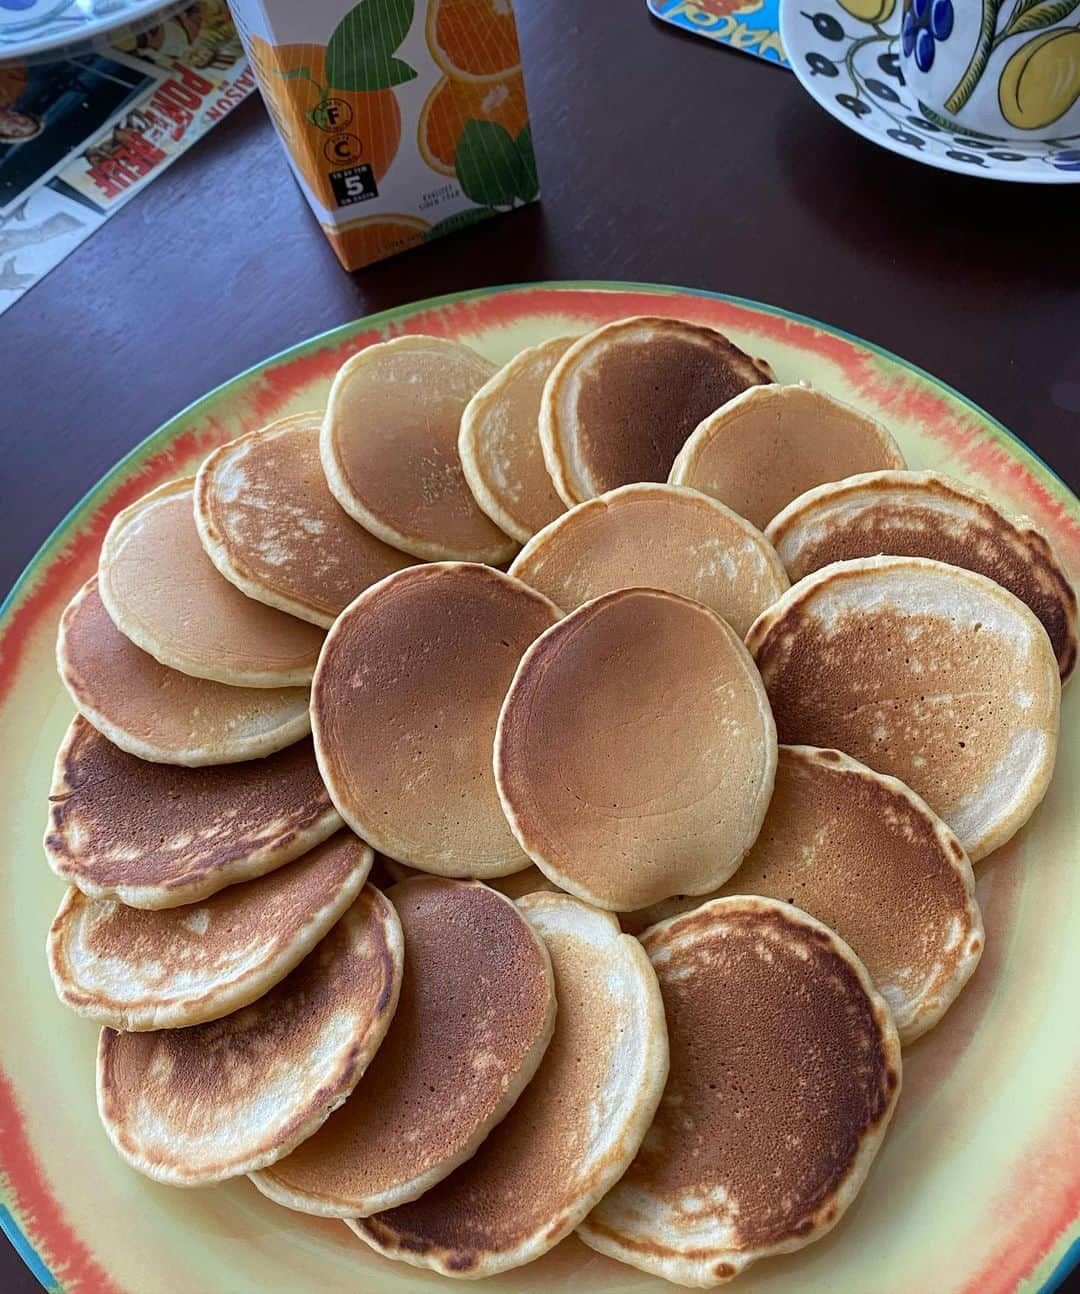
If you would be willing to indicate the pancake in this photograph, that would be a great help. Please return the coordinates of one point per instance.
(575, 1128)
(389, 448)
(164, 593)
(158, 713)
(515, 886)
(157, 836)
(865, 855)
(404, 707)
(476, 1014)
(933, 674)
(922, 514)
(270, 525)
(635, 750)
(194, 1106)
(499, 443)
(785, 1071)
(621, 402)
(768, 445)
(139, 970)
(660, 536)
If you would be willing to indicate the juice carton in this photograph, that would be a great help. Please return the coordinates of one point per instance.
(403, 119)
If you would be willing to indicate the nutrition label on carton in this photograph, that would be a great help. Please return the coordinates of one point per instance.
(354, 184)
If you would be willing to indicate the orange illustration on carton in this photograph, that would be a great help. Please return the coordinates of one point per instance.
(339, 105)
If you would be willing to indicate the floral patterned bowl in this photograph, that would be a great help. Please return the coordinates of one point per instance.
(849, 55)
(34, 27)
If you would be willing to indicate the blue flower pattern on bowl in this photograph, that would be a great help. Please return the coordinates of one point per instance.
(926, 23)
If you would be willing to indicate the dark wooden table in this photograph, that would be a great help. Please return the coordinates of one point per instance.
(662, 159)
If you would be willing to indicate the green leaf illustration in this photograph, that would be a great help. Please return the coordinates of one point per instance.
(946, 123)
(1021, 7)
(524, 144)
(296, 74)
(489, 166)
(1034, 15)
(965, 87)
(360, 53)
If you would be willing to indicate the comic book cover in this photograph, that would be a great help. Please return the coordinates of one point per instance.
(201, 36)
(154, 131)
(80, 136)
(752, 26)
(49, 109)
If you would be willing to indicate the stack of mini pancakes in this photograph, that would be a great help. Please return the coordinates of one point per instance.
(676, 815)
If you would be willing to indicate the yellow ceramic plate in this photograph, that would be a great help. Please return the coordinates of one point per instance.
(977, 1188)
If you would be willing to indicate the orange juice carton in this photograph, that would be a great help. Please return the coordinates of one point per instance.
(403, 119)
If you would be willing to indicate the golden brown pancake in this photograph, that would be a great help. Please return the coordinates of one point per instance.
(531, 880)
(158, 836)
(165, 594)
(659, 536)
(404, 707)
(785, 1071)
(158, 713)
(193, 1106)
(933, 674)
(635, 751)
(499, 443)
(621, 402)
(270, 525)
(768, 445)
(575, 1128)
(922, 514)
(389, 448)
(476, 1015)
(139, 970)
(868, 858)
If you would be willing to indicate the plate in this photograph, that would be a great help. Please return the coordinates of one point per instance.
(851, 66)
(32, 27)
(976, 1188)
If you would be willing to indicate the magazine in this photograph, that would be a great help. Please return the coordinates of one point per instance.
(82, 135)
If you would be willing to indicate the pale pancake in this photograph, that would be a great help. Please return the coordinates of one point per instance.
(659, 536)
(575, 1128)
(785, 1071)
(475, 1018)
(270, 525)
(389, 448)
(868, 858)
(635, 750)
(922, 514)
(158, 836)
(404, 707)
(199, 1105)
(531, 880)
(499, 443)
(928, 672)
(158, 713)
(140, 970)
(768, 445)
(621, 402)
(166, 595)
